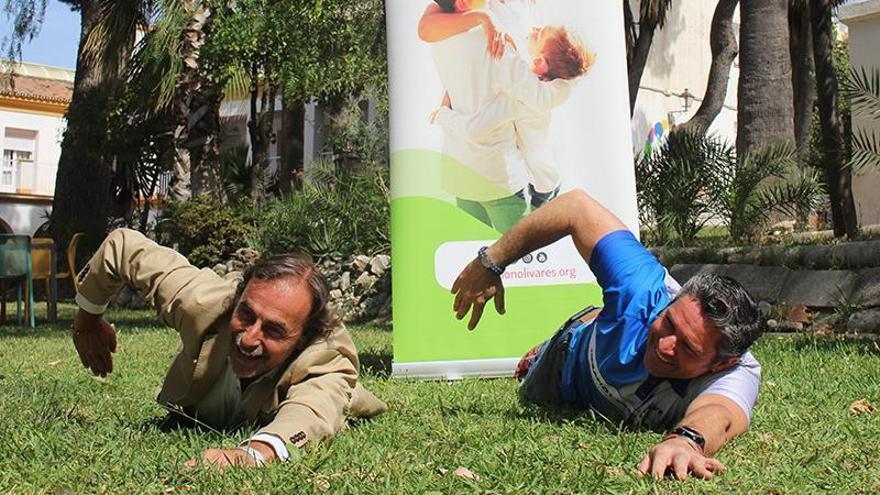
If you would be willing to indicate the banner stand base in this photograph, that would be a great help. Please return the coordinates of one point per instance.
(455, 370)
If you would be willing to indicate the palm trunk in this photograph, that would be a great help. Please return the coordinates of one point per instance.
(640, 52)
(803, 84)
(723, 43)
(765, 115)
(837, 175)
(82, 199)
(197, 109)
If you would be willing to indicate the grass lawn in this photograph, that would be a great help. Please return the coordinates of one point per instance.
(64, 431)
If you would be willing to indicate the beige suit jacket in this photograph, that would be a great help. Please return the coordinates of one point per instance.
(303, 401)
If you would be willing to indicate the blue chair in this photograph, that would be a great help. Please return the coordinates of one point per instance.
(15, 266)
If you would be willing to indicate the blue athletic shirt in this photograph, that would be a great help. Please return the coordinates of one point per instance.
(604, 370)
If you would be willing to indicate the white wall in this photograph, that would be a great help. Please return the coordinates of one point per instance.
(863, 21)
(680, 59)
(24, 218)
(49, 129)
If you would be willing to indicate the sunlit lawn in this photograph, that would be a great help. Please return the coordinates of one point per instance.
(63, 431)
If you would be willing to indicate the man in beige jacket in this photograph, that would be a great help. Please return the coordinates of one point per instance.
(259, 347)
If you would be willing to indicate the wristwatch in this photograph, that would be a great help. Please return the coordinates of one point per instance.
(487, 262)
(689, 433)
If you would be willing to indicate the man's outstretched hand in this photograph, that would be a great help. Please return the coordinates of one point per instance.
(225, 458)
(474, 287)
(681, 457)
(94, 340)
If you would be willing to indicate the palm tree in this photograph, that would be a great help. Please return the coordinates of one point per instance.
(765, 115)
(188, 89)
(838, 176)
(82, 191)
(639, 37)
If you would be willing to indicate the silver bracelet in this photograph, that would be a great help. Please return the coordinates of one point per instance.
(258, 457)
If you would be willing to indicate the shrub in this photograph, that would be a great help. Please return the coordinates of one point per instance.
(337, 213)
(765, 181)
(204, 230)
(675, 182)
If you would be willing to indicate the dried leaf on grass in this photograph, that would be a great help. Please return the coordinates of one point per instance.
(463, 472)
(861, 406)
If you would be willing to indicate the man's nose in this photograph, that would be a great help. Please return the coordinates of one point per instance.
(250, 336)
(666, 345)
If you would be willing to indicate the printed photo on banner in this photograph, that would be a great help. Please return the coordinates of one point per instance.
(504, 67)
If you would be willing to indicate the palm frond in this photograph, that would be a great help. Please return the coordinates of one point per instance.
(865, 150)
(862, 88)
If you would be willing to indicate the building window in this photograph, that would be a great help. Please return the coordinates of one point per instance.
(16, 168)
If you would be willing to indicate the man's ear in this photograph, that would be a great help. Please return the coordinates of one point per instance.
(723, 364)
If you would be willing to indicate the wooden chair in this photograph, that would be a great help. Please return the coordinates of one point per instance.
(71, 261)
(44, 264)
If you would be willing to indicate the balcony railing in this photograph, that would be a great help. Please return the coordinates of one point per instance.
(29, 177)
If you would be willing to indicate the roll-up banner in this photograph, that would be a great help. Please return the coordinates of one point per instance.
(480, 139)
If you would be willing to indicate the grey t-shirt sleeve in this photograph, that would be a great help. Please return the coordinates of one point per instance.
(740, 384)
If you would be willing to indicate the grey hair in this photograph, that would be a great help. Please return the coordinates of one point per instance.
(322, 318)
(729, 306)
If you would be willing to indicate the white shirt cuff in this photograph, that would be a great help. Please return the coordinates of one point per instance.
(89, 306)
(276, 443)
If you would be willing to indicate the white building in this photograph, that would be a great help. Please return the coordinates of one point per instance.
(678, 65)
(32, 108)
(863, 21)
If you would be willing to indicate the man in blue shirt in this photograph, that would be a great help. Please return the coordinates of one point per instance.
(656, 355)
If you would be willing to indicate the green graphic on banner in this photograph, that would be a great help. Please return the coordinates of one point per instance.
(425, 328)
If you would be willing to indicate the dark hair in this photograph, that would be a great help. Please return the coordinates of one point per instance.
(447, 6)
(728, 305)
(322, 319)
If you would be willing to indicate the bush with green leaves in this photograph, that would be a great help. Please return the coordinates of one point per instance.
(693, 179)
(202, 229)
(674, 185)
(337, 213)
(769, 180)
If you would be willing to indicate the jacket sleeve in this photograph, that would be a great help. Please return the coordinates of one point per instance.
(322, 382)
(515, 78)
(185, 296)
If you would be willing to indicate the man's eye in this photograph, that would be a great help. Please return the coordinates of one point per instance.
(275, 332)
(244, 315)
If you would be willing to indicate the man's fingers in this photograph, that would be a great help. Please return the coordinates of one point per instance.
(659, 465)
(499, 301)
(477, 313)
(698, 467)
(715, 465)
(680, 465)
(456, 285)
(644, 466)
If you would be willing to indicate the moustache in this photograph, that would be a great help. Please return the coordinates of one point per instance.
(258, 352)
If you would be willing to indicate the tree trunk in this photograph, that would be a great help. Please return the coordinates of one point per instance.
(722, 40)
(803, 83)
(765, 98)
(197, 111)
(629, 31)
(290, 143)
(837, 175)
(640, 52)
(82, 200)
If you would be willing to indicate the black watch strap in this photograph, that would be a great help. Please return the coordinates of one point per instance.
(487, 262)
(689, 433)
